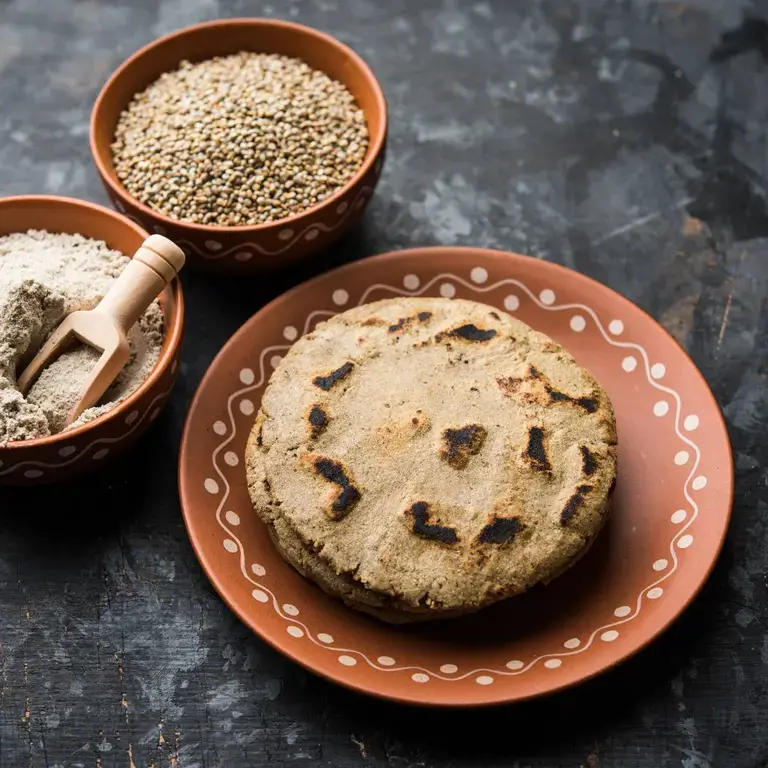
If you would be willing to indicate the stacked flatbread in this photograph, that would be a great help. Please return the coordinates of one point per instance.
(423, 458)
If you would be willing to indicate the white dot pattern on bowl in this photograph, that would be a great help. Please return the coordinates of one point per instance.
(681, 458)
(340, 297)
(230, 546)
(479, 275)
(685, 541)
(232, 517)
(386, 661)
(411, 282)
(658, 370)
(447, 290)
(324, 637)
(291, 609)
(449, 669)
(154, 414)
(678, 516)
(484, 680)
(660, 565)
(312, 234)
(553, 663)
(213, 245)
(547, 296)
(609, 636)
(622, 611)
(295, 631)
(290, 333)
(286, 234)
(511, 303)
(247, 376)
(230, 457)
(131, 417)
(246, 407)
(629, 363)
(33, 473)
(574, 642)
(513, 665)
(419, 677)
(243, 256)
(578, 323)
(220, 428)
(258, 569)
(661, 408)
(101, 454)
(691, 422)
(699, 483)
(341, 208)
(347, 661)
(616, 327)
(211, 485)
(67, 450)
(275, 360)
(655, 593)
(260, 595)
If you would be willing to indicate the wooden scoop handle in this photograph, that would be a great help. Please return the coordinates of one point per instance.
(152, 267)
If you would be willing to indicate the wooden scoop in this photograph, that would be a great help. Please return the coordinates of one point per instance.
(105, 328)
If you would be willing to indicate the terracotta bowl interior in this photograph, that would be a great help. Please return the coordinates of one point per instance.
(56, 214)
(205, 41)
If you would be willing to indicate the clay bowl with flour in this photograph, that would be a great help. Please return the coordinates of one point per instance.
(58, 457)
(246, 249)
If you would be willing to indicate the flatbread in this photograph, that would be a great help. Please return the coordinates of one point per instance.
(431, 456)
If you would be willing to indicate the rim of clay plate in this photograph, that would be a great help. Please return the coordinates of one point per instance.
(173, 334)
(375, 145)
(589, 285)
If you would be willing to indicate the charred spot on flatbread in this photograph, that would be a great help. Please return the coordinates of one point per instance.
(467, 332)
(406, 322)
(318, 421)
(535, 452)
(348, 495)
(500, 530)
(459, 444)
(536, 389)
(588, 461)
(327, 381)
(420, 525)
(575, 503)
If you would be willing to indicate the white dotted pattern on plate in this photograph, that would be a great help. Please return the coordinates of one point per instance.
(445, 285)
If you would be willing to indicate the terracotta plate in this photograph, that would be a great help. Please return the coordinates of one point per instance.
(670, 511)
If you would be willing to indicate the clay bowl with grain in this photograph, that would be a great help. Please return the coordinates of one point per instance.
(254, 248)
(69, 453)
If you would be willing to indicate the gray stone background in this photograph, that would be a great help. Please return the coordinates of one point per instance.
(623, 138)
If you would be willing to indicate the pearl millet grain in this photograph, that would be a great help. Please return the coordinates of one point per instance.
(239, 140)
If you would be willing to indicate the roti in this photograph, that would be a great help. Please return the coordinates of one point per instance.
(427, 457)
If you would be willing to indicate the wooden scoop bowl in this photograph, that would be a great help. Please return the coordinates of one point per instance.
(105, 328)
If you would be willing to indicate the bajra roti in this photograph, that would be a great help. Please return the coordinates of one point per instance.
(431, 456)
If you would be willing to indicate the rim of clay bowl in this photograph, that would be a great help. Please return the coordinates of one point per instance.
(375, 142)
(173, 334)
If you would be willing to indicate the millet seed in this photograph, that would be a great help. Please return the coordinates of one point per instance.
(239, 140)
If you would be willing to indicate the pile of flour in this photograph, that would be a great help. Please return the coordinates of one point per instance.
(44, 277)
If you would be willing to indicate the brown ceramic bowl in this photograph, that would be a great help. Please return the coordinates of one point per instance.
(49, 459)
(668, 520)
(265, 246)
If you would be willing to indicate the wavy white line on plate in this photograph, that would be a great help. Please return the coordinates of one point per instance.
(483, 670)
(101, 441)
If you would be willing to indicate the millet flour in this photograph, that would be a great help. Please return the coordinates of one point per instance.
(44, 277)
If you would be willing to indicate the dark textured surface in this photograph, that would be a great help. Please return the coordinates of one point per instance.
(624, 139)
